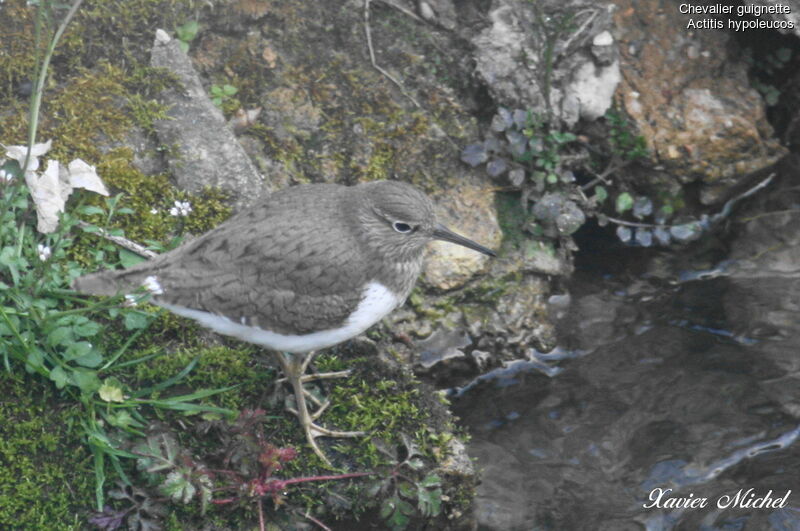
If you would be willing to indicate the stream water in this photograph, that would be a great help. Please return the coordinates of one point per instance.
(664, 379)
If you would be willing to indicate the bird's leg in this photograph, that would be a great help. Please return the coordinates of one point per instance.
(293, 367)
(306, 378)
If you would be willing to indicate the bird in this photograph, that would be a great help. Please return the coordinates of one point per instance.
(303, 269)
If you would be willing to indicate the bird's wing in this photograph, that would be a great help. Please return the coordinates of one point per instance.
(276, 266)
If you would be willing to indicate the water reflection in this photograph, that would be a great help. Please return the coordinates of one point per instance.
(693, 387)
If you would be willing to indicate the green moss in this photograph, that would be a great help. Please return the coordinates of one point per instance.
(46, 478)
(217, 367)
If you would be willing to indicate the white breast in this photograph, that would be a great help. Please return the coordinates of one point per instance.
(377, 301)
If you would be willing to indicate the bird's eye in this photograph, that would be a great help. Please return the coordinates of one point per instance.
(399, 226)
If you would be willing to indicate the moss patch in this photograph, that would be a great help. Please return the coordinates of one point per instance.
(46, 476)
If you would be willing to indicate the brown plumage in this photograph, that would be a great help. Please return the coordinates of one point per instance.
(319, 261)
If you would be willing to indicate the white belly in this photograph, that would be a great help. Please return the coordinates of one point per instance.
(375, 304)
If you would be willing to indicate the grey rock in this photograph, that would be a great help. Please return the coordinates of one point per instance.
(525, 58)
(206, 151)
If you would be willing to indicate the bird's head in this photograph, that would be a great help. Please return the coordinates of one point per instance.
(399, 220)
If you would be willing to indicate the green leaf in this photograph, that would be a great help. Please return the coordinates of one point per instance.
(90, 360)
(136, 320)
(86, 328)
(90, 210)
(110, 392)
(431, 480)
(129, 259)
(600, 194)
(624, 202)
(59, 376)
(406, 489)
(415, 463)
(76, 350)
(34, 360)
(87, 381)
(123, 419)
(429, 501)
(178, 487)
(61, 335)
(229, 90)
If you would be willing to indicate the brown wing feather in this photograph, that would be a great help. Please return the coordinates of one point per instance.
(278, 265)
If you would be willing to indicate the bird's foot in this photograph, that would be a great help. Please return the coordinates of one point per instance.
(314, 430)
(294, 369)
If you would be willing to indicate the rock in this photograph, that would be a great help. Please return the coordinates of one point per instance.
(787, 22)
(518, 320)
(207, 153)
(690, 97)
(582, 71)
(468, 210)
(441, 12)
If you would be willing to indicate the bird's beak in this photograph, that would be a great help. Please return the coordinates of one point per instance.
(440, 232)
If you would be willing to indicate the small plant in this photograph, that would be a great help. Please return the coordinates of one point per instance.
(186, 33)
(222, 95)
(244, 468)
(407, 495)
(625, 144)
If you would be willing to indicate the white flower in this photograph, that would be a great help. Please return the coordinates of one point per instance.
(44, 252)
(152, 285)
(131, 301)
(6, 176)
(154, 211)
(181, 208)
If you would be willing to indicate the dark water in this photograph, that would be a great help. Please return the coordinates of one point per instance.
(692, 386)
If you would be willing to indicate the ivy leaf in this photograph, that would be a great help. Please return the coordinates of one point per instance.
(496, 167)
(644, 237)
(624, 202)
(624, 234)
(662, 235)
(474, 154)
(684, 232)
(502, 120)
(516, 176)
(642, 207)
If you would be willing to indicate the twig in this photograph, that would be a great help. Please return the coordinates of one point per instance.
(402, 10)
(368, 33)
(122, 242)
(308, 516)
(580, 30)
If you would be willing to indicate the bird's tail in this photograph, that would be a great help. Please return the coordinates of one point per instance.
(102, 283)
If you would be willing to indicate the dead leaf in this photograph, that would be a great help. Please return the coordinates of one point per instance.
(83, 175)
(18, 153)
(48, 195)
